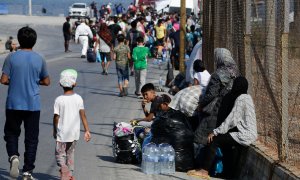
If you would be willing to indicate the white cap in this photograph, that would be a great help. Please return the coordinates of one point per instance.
(68, 78)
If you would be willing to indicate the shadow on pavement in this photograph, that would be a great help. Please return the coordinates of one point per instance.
(107, 158)
(50, 124)
(129, 168)
(105, 94)
(110, 136)
(45, 176)
(110, 146)
(102, 124)
(90, 72)
(4, 175)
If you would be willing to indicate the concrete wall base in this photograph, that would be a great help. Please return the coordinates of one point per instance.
(254, 164)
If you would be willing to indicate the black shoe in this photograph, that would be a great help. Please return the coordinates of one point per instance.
(103, 72)
(83, 56)
(106, 73)
(132, 73)
(121, 94)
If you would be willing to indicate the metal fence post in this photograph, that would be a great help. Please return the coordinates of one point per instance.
(283, 154)
(247, 45)
(270, 41)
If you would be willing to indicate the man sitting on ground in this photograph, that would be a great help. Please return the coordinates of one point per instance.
(148, 92)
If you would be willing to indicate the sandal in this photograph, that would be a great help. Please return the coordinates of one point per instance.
(196, 174)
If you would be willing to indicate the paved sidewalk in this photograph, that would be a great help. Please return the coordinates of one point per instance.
(129, 108)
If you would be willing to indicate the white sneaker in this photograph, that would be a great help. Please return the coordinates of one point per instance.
(27, 176)
(14, 166)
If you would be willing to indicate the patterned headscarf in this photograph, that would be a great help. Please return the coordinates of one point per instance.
(105, 34)
(226, 66)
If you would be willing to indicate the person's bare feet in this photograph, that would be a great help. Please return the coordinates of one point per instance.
(199, 173)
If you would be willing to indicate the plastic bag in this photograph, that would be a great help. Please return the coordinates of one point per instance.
(173, 128)
(98, 57)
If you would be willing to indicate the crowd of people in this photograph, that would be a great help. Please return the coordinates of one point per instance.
(145, 33)
(218, 110)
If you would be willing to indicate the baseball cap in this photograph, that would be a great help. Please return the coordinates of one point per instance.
(68, 78)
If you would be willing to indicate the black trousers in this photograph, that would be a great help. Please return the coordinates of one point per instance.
(223, 141)
(12, 131)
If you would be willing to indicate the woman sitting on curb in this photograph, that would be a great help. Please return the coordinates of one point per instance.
(242, 117)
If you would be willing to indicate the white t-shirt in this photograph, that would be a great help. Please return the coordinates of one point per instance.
(67, 107)
(203, 78)
(103, 47)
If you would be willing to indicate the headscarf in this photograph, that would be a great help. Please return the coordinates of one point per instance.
(226, 66)
(239, 87)
(105, 34)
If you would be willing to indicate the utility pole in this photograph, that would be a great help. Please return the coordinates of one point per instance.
(182, 36)
(29, 6)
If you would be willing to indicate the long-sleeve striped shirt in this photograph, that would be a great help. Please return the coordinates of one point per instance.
(243, 117)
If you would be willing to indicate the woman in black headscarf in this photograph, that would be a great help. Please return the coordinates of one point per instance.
(240, 86)
(219, 85)
(241, 116)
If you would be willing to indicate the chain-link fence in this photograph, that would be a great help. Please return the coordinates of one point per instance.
(263, 36)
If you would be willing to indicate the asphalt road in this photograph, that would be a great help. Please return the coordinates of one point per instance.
(93, 160)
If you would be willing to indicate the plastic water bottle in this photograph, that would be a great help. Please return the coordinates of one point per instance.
(160, 83)
(156, 160)
(164, 54)
(171, 164)
(163, 158)
(167, 159)
(145, 158)
(150, 159)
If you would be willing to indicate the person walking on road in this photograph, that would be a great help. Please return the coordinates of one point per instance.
(122, 56)
(67, 33)
(83, 33)
(160, 32)
(23, 71)
(131, 37)
(105, 45)
(139, 56)
(68, 110)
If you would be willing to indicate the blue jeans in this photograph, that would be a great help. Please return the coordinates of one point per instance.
(123, 74)
(12, 131)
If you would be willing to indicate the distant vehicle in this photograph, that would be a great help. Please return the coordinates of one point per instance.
(79, 10)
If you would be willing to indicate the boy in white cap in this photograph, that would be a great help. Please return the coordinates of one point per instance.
(68, 110)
